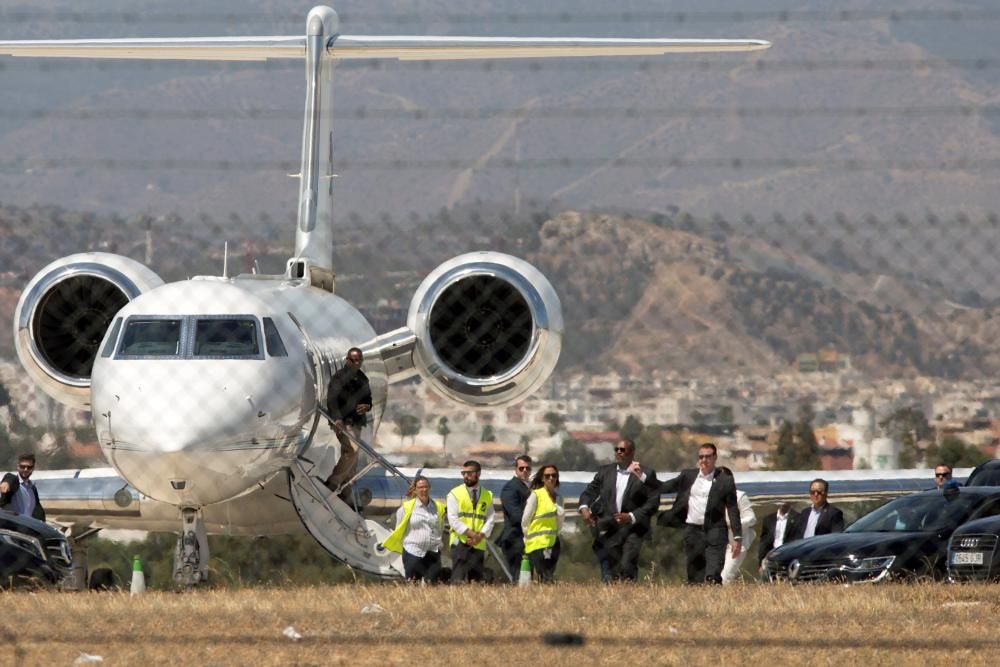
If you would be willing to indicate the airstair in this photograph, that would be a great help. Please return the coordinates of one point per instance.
(342, 531)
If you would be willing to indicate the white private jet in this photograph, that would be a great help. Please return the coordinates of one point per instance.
(205, 392)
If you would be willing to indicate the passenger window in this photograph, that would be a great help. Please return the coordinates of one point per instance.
(233, 338)
(275, 347)
(991, 508)
(151, 338)
(109, 346)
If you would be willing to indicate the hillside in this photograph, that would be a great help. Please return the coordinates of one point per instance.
(638, 294)
(855, 127)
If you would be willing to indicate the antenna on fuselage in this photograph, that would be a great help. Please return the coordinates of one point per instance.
(225, 259)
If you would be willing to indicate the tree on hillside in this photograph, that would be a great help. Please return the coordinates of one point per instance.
(556, 422)
(525, 442)
(407, 425)
(797, 448)
(907, 426)
(955, 452)
(443, 430)
(571, 455)
(631, 428)
(662, 454)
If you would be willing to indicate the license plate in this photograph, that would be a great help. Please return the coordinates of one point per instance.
(967, 558)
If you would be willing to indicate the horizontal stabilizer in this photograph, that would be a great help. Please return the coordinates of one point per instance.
(368, 47)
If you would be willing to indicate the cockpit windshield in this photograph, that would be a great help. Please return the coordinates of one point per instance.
(226, 338)
(151, 338)
(192, 337)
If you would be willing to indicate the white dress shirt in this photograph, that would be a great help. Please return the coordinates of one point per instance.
(422, 533)
(698, 500)
(780, 523)
(747, 520)
(529, 512)
(456, 523)
(814, 515)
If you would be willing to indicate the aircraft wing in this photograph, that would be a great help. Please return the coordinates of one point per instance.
(345, 47)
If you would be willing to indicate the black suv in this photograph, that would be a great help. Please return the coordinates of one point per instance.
(903, 539)
(31, 551)
(985, 474)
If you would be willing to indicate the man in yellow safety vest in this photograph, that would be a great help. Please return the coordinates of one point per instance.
(470, 515)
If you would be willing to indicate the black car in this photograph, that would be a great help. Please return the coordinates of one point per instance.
(903, 539)
(31, 551)
(972, 551)
(985, 474)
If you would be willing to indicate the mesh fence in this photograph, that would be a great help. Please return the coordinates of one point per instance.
(844, 322)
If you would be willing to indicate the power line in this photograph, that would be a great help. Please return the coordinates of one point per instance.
(722, 63)
(783, 16)
(399, 164)
(380, 113)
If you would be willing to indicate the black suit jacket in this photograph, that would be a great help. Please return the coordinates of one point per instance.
(721, 500)
(15, 483)
(513, 498)
(640, 499)
(768, 532)
(831, 520)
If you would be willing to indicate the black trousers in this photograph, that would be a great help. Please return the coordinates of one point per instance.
(704, 560)
(466, 563)
(545, 567)
(622, 549)
(512, 546)
(427, 568)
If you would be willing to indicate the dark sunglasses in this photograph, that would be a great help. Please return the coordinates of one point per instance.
(550, 475)
(25, 467)
(816, 493)
(705, 457)
(942, 474)
(621, 449)
(523, 468)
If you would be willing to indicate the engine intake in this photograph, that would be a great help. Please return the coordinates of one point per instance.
(488, 328)
(64, 313)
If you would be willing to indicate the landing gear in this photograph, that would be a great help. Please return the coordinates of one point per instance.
(191, 554)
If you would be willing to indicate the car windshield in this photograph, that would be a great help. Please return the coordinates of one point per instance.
(987, 476)
(921, 513)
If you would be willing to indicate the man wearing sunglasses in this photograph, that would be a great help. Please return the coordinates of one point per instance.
(704, 497)
(822, 518)
(513, 498)
(942, 473)
(628, 495)
(348, 401)
(18, 494)
(471, 516)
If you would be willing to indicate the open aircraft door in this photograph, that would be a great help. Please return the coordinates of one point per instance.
(345, 534)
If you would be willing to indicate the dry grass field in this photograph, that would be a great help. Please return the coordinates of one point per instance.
(648, 625)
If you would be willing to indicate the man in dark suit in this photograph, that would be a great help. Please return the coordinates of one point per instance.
(704, 497)
(18, 494)
(822, 518)
(778, 528)
(619, 502)
(512, 498)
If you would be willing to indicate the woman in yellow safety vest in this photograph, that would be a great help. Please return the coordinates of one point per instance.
(542, 519)
(419, 532)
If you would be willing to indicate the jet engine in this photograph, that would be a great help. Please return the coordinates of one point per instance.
(488, 329)
(64, 313)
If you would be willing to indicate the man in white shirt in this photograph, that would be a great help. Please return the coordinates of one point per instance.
(471, 516)
(18, 493)
(778, 528)
(705, 497)
(626, 495)
(731, 568)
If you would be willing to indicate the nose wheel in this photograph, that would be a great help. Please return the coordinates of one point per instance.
(191, 553)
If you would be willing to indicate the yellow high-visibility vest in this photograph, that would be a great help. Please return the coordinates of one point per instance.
(473, 517)
(395, 541)
(544, 527)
